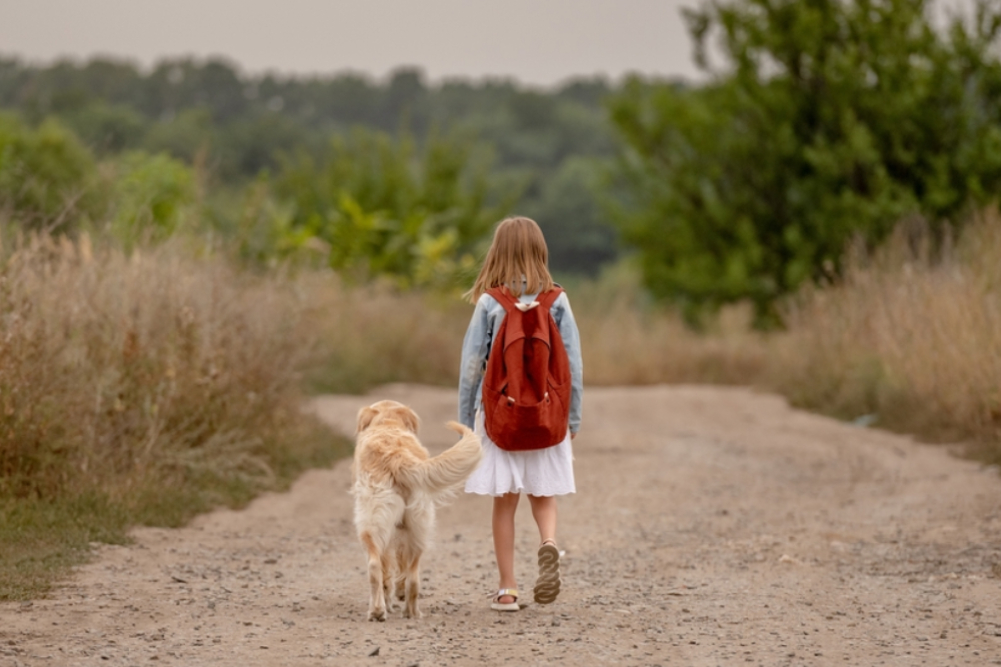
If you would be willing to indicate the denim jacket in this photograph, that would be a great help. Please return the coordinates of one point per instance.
(487, 317)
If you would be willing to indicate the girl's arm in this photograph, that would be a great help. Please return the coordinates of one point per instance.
(571, 341)
(475, 347)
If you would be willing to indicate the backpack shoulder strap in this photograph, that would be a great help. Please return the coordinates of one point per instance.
(503, 297)
(506, 299)
(546, 299)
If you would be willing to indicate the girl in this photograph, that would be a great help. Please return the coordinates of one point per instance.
(518, 259)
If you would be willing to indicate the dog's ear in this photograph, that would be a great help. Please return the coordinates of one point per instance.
(365, 417)
(409, 418)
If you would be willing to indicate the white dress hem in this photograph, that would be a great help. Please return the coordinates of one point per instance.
(537, 472)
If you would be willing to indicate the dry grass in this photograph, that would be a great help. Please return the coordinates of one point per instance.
(375, 334)
(145, 388)
(628, 340)
(152, 385)
(907, 341)
(912, 341)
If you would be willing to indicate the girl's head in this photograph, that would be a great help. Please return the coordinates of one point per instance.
(518, 253)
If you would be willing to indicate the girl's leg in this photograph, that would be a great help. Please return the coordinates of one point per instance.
(503, 525)
(544, 512)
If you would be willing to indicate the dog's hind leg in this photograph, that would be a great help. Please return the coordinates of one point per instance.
(420, 523)
(397, 592)
(376, 563)
(410, 563)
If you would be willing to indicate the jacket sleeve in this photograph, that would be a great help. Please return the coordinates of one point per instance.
(571, 341)
(475, 348)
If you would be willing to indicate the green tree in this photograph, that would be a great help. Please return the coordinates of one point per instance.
(570, 212)
(152, 196)
(830, 119)
(48, 179)
(183, 136)
(105, 128)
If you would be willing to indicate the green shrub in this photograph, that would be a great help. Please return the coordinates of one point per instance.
(375, 206)
(48, 179)
(152, 195)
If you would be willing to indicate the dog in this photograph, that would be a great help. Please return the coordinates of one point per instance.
(396, 488)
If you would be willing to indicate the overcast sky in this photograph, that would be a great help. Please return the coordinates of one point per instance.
(540, 42)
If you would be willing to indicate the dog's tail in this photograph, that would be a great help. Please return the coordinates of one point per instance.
(444, 472)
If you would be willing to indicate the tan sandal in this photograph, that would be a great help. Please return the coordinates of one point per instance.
(497, 605)
(547, 586)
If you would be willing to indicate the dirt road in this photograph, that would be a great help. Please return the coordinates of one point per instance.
(711, 527)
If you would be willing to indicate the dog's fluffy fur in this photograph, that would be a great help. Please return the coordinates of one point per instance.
(396, 487)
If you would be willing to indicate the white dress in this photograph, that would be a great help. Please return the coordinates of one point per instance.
(537, 472)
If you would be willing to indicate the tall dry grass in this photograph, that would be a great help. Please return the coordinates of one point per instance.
(629, 340)
(114, 368)
(375, 334)
(140, 388)
(912, 339)
(907, 339)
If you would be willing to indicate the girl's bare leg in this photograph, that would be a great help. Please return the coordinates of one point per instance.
(547, 586)
(544, 512)
(503, 526)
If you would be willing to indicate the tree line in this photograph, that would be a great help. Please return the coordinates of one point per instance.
(821, 123)
(545, 150)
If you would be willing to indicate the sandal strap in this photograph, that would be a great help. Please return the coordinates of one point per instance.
(513, 592)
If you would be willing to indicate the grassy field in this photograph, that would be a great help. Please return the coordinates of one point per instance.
(145, 388)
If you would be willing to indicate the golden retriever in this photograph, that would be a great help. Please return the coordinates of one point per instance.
(396, 488)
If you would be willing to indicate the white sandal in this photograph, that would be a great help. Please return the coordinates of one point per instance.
(497, 605)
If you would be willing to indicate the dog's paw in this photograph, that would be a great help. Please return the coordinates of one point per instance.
(414, 614)
(377, 615)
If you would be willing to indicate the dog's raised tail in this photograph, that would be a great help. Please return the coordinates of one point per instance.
(446, 471)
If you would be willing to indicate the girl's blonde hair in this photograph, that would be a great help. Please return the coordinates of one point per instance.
(518, 253)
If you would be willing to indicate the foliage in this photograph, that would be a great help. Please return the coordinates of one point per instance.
(107, 129)
(570, 210)
(151, 195)
(47, 177)
(238, 127)
(831, 119)
(382, 207)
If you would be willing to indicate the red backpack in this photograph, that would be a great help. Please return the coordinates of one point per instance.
(526, 387)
